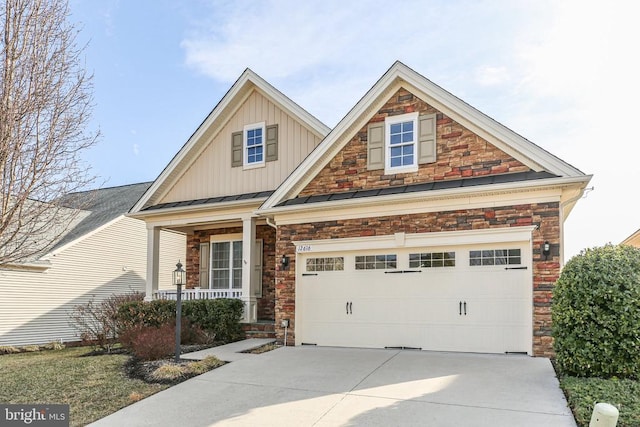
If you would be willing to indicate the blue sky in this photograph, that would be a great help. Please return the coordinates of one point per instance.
(563, 74)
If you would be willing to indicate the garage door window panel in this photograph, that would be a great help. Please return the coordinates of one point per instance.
(495, 257)
(432, 260)
(376, 262)
(325, 264)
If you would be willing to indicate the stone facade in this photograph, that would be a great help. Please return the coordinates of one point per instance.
(545, 272)
(266, 305)
(460, 154)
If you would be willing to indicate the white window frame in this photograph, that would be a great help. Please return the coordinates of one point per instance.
(223, 238)
(245, 148)
(392, 120)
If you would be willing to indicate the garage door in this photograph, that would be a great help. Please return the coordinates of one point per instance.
(472, 298)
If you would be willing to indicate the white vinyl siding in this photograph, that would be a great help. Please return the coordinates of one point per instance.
(34, 306)
(212, 174)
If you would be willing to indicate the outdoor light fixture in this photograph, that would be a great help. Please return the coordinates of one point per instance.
(546, 249)
(284, 262)
(179, 279)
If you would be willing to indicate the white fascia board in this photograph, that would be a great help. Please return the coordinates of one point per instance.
(248, 77)
(483, 125)
(189, 210)
(532, 155)
(319, 128)
(408, 240)
(422, 196)
(201, 216)
(327, 144)
(83, 237)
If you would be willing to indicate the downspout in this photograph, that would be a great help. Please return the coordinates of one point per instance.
(269, 223)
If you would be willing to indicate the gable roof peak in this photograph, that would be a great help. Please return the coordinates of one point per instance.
(242, 87)
(400, 75)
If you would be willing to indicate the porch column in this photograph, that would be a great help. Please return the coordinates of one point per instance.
(248, 243)
(153, 260)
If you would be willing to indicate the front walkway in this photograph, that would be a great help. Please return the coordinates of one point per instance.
(229, 352)
(325, 386)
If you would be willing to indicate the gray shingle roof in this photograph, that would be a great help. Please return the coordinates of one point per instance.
(103, 205)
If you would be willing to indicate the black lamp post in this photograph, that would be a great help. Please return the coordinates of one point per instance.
(179, 277)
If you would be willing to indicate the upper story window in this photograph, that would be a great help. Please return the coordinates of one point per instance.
(253, 143)
(401, 151)
(401, 143)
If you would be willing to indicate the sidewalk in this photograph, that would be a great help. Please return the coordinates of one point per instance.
(229, 352)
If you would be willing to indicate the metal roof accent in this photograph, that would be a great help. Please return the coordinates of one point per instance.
(427, 186)
(211, 200)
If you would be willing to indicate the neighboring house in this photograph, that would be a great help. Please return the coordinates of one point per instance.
(416, 222)
(103, 253)
(633, 240)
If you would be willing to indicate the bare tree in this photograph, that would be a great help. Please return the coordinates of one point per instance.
(45, 107)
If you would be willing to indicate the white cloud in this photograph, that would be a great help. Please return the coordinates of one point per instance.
(562, 74)
(136, 149)
(489, 76)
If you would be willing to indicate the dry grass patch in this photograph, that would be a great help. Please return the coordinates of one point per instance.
(94, 387)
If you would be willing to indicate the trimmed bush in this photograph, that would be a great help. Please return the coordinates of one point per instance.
(219, 319)
(596, 313)
(150, 342)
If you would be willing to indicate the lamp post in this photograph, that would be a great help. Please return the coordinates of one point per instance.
(179, 278)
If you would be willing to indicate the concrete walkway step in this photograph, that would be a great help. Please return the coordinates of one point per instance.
(230, 352)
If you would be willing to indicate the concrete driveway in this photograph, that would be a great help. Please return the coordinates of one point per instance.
(324, 386)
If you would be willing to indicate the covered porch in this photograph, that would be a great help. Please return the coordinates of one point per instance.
(230, 253)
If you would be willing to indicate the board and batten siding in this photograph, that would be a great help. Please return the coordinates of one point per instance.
(35, 306)
(211, 173)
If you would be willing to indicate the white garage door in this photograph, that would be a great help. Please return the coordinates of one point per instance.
(472, 298)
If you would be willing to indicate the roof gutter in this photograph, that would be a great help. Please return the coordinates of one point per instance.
(431, 195)
(197, 208)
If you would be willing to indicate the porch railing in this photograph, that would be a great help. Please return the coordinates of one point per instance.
(197, 293)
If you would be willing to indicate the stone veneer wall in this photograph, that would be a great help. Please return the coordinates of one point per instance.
(545, 272)
(266, 304)
(460, 154)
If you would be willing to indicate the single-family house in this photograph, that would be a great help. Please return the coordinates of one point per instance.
(416, 222)
(103, 252)
(633, 240)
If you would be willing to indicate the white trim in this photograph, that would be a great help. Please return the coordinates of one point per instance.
(534, 191)
(434, 239)
(84, 236)
(245, 155)
(197, 208)
(233, 237)
(392, 120)
(245, 83)
(401, 75)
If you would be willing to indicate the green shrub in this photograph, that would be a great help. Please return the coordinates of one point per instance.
(147, 313)
(219, 318)
(596, 313)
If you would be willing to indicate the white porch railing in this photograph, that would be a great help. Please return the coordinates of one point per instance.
(197, 293)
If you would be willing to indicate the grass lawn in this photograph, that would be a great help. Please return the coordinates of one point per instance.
(93, 386)
(583, 393)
